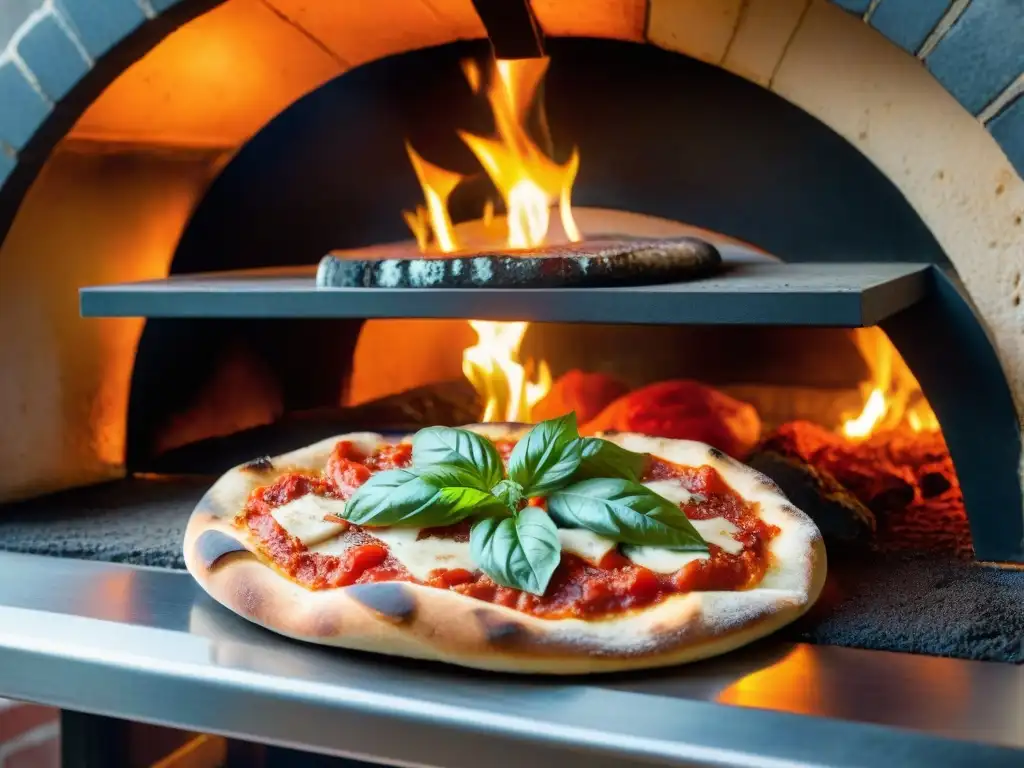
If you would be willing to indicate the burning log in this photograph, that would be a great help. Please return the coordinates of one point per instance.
(841, 517)
(905, 478)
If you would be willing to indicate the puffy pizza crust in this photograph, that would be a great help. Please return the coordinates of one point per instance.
(406, 619)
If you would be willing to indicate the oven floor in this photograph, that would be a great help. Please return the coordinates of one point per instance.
(915, 604)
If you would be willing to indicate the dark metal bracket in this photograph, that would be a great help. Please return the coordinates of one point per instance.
(946, 346)
(93, 741)
(512, 28)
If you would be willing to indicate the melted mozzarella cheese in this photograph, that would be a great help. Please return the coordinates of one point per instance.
(422, 556)
(339, 545)
(303, 518)
(587, 544)
(661, 560)
(673, 491)
(716, 530)
(719, 531)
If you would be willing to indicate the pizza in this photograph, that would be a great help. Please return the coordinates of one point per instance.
(508, 548)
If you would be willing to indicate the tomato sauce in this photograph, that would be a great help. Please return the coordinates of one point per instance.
(578, 589)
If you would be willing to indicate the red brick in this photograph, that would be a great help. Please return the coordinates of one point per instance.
(44, 755)
(18, 718)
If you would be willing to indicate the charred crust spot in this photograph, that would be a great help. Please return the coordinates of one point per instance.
(262, 464)
(213, 546)
(325, 626)
(391, 601)
(250, 601)
(770, 484)
(714, 453)
(501, 632)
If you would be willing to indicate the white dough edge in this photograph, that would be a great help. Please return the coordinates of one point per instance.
(453, 628)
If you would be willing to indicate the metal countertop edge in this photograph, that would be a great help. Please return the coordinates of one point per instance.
(756, 738)
(142, 671)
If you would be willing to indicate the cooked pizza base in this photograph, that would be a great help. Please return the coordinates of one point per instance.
(417, 621)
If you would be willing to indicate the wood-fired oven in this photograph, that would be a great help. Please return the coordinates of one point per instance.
(172, 173)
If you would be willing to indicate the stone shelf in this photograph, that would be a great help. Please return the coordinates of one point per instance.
(847, 295)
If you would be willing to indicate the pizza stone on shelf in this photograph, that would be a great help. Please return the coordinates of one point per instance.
(509, 548)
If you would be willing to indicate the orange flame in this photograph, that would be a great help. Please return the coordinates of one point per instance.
(493, 369)
(530, 183)
(527, 179)
(438, 185)
(892, 397)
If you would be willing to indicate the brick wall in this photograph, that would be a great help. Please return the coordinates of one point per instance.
(29, 735)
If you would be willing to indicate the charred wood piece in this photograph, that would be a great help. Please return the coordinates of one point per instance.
(842, 519)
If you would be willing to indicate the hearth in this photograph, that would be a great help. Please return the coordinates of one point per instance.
(827, 323)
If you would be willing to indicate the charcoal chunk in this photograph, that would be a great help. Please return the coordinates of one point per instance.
(899, 496)
(841, 518)
(934, 484)
(595, 263)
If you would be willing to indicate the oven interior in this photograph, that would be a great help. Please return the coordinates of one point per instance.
(665, 146)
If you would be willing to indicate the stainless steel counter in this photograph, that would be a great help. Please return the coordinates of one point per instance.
(147, 645)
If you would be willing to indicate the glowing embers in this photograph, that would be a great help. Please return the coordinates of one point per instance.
(905, 478)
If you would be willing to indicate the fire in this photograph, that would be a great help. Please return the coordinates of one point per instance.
(492, 366)
(892, 397)
(527, 179)
(530, 184)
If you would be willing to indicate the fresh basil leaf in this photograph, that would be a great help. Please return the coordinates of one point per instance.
(520, 551)
(448, 475)
(510, 493)
(432, 497)
(625, 511)
(458, 448)
(603, 458)
(547, 456)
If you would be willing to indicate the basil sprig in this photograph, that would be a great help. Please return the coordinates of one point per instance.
(589, 483)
